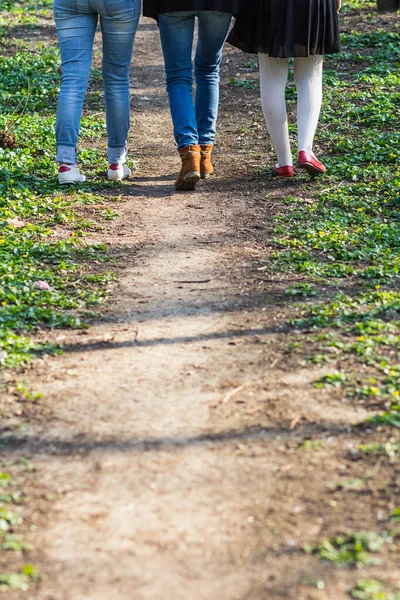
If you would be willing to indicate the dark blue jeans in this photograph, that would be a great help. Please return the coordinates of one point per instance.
(194, 123)
(76, 24)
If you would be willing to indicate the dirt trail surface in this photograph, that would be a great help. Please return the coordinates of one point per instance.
(174, 419)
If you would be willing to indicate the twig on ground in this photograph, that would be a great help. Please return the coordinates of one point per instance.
(295, 421)
(275, 362)
(232, 393)
(190, 281)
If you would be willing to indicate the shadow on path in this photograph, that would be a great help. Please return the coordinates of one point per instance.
(35, 444)
(238, 333)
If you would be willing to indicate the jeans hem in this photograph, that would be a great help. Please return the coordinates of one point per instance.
(188, 143)
(66, 154)
(117, 155)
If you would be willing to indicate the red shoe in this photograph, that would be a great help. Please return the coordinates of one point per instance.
(286, 171)
(310, 164)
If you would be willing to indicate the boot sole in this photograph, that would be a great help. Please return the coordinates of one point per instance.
(189, 182)
(206, 175)
(311, 169)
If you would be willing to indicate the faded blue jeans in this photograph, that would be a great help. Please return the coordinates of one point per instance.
(194, 123)
(76, 22)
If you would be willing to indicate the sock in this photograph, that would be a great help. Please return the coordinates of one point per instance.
(308, 78)
(64, 167)
(273, 79)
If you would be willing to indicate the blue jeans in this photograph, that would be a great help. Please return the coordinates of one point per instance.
(193, 123)
(76, 22)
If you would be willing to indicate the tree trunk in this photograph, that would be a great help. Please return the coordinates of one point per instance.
(388, 4)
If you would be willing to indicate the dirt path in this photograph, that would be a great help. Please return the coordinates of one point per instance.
(171, 447)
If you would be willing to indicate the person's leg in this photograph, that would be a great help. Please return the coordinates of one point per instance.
(308, 78)
(75, 32)
(273, 79)
(176, 31)
(213, 29)
(119, 23)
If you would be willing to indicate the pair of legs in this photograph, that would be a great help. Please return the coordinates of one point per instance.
(308, 79)
(194, 122)
(76, 24)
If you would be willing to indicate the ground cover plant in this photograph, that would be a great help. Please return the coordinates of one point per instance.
(46, 276)
(50, 276)
(372, 589)
(341, 232)
(339, 235)
(16, 500)
(352, 550)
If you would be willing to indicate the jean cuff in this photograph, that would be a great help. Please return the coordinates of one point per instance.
(117, 156)
(207, 141)
(66, 154)
(187, 142)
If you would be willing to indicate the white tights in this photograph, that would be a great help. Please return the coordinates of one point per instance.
(308, 79)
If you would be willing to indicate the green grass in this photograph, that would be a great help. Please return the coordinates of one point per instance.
(20, 580)
(15, 573)
(15, 543)
(390, 448)
(8, 519)
(242, 83)
(32, 205)
(50, 276)
(341, 232)
(372, 589)
(353, 550)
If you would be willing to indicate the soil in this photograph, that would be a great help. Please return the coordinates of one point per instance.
(171, 428)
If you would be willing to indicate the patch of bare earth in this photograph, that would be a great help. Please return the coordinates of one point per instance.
(174, 441)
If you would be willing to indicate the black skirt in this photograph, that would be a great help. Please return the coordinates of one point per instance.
(287, 28)
(152, 8)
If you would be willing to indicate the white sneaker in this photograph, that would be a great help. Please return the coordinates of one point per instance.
(69, 174)
(118, 172)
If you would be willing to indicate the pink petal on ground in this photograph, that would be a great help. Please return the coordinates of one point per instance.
(43, 285)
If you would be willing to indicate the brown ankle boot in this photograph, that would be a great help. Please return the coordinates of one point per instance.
(206, 168)
(190, 171)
